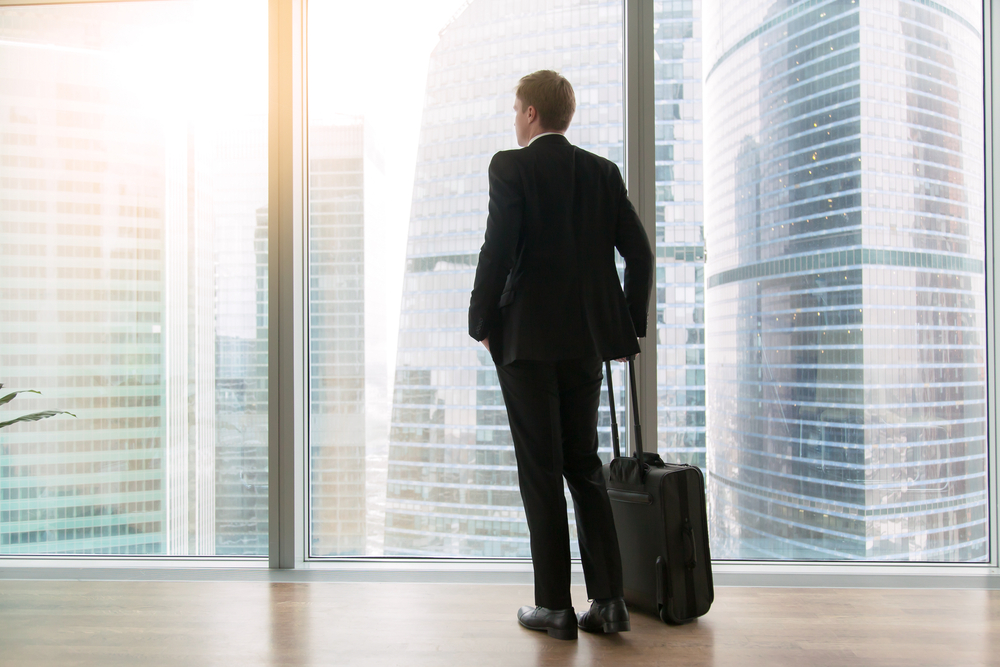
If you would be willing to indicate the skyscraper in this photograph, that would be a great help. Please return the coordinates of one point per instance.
(94, 307)
(188, 234)
(452, 483)
(680, 242)
(108, 300)
(845, 307)
(337, 339)
(240, 197)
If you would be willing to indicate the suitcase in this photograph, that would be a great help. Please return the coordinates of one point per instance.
(661, 521)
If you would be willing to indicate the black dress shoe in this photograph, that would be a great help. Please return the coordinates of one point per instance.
(607, 616)
(559, 623)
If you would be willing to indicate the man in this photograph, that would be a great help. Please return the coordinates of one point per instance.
(548, 305)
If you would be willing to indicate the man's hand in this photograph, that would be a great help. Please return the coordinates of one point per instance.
(624, 359)
(486, 343)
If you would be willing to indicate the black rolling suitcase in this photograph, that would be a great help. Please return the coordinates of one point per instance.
(660, 518)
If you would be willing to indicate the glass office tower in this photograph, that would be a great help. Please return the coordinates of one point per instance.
(452, 481)
(337, 339)
(110, 191)
(95, 214)
(680, 242)
(845, 285)
(240, 198)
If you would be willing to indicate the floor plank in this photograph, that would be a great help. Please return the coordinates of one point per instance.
(252, 623)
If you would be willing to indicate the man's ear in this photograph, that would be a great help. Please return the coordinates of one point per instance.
(531, 113)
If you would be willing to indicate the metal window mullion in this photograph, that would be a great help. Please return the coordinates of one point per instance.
(991, 56)
(640, 178)
(286, 357)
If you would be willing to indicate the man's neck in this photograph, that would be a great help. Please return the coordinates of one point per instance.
(542, 134)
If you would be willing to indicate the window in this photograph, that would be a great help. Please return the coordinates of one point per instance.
(844, 282)
(409, 449)
(818, 184)
(133, 278)
(680, 236)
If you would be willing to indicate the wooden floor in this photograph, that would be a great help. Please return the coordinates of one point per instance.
(246, 624)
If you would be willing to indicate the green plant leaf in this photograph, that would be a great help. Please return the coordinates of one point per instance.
(35, 416)
(10, 397)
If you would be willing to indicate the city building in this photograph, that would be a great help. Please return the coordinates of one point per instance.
(85, 316)
(337, 446)
(452, 481)
(108, 305)
(680, 242)
(845, 302)
(240, 197)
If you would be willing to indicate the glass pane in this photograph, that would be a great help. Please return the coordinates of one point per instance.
(845, 312)
(680, 239)
(133, 282)
(409, 446)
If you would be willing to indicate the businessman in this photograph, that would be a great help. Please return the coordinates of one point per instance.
(548, 305)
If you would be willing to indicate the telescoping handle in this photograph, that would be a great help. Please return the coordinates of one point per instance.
(635, 409)
(616, 446)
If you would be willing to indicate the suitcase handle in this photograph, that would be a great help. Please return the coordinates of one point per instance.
(635, 409)
(690, 555)
(615, 444)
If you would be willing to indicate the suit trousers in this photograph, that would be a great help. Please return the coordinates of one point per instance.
(552, 410)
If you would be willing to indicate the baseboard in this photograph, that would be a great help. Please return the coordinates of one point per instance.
(728, 573)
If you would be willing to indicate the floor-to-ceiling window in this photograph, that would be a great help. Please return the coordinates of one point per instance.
(820, 272)
(133, 278)
(409, 450)
(845, 285)
(819, 220)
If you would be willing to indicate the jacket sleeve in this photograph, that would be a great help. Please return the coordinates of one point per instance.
(633, 245)
(496, 257)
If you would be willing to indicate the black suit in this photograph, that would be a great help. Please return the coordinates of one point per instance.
(548, 296)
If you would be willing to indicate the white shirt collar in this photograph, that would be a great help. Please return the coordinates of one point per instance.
(543, 134)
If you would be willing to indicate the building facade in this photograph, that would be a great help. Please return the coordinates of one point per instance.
(240, 198)
(452, 481)
(109, 289)
(680, 241)
(337, 446)
(845, 284)
(87, 191)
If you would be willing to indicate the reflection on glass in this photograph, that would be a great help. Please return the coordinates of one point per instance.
(410, 453)
(845, 281)
(131, 287)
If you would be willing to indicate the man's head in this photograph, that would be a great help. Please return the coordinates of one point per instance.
(544, 102)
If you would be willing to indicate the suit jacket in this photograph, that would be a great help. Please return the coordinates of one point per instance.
(547, 287)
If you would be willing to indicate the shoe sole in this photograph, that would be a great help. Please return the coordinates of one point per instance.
(609, 628)
(556, 633)
(562, 634)
(617, 626)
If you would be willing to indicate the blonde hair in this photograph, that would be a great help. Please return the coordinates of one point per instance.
(551, 95)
